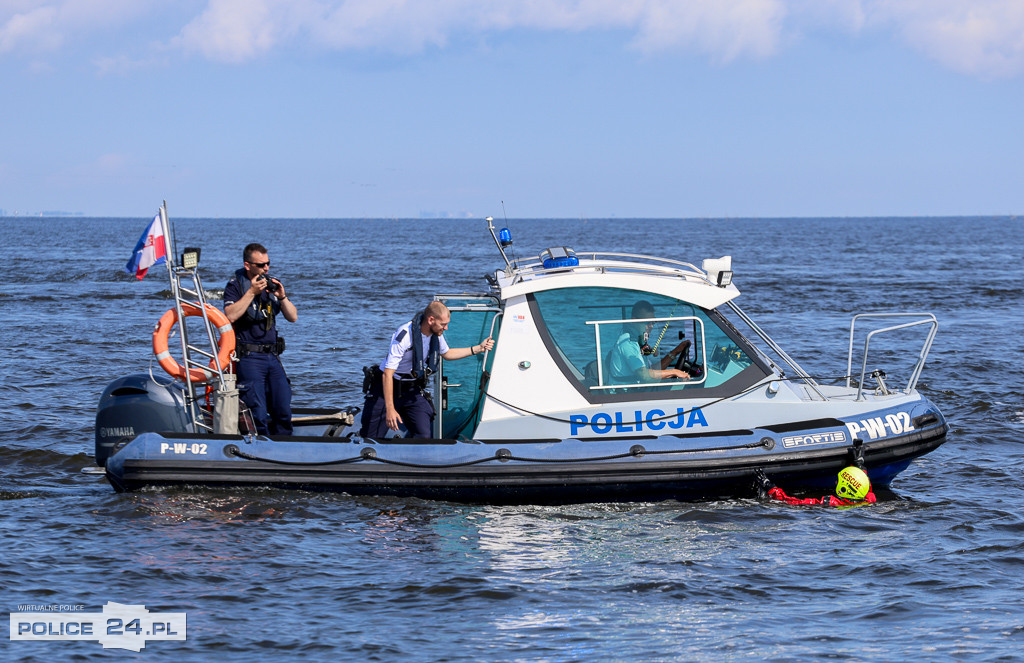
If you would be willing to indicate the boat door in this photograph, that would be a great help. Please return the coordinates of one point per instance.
(457, 385)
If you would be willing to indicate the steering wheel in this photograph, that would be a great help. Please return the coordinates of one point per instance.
(684, 364)
(695, 370)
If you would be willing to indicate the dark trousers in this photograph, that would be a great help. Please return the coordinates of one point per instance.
(416, 410)
(264, 388)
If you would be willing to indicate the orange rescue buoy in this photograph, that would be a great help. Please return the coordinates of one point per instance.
(225, 346)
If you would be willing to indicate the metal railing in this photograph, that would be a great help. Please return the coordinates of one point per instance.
(923, 319)
(609, 262)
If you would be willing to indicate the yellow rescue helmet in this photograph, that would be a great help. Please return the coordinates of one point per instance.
(853, 484)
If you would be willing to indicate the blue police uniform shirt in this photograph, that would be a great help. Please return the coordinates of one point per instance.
(399, 355)
(249, 328)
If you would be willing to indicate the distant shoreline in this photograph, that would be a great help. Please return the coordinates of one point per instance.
(80, 216)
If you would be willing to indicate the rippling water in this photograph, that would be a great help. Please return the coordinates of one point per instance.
(933, 572)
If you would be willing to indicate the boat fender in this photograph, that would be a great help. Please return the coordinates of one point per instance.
(225, 345)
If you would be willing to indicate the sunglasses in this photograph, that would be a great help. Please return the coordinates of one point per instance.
(259, 265)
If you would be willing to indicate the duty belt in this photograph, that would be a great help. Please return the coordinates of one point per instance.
(403, 383)
(406, 385)
(258, 347)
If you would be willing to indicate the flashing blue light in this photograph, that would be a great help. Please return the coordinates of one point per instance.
(561, 256)
(505, 237)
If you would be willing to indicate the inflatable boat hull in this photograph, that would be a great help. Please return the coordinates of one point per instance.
(684, 467)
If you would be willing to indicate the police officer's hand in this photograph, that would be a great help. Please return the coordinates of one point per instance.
(280, 294)
(679, 349)
(258, 285)
(487, 343)
(392, 418)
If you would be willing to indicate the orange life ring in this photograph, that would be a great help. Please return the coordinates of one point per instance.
(225, 346)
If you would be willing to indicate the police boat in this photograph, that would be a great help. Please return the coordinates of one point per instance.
(613, 377)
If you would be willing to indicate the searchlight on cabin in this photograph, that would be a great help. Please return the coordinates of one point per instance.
(719, 270)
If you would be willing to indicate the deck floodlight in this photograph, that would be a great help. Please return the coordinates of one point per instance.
(190, 257)
(505, 237)
(719, 270)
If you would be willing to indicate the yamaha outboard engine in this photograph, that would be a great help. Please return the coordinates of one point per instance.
(136, 404)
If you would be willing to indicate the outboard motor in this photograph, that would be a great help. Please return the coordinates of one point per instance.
(136, 404)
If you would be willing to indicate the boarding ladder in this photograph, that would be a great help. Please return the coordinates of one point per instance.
(187, 291)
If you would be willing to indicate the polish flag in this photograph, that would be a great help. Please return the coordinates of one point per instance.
(150, 250)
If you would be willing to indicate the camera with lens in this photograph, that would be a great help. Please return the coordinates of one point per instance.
(272, 286)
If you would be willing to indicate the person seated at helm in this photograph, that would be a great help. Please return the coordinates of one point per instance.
(853, 488)
(627, 363)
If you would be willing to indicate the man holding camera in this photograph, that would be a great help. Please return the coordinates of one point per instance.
(252, 300)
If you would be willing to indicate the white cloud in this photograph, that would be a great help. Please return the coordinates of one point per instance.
(30, 30)
(722, 30)
(977, 37)
(41, 26)
(983, 38)
(239, 30)
(826, 15)
(123, 65)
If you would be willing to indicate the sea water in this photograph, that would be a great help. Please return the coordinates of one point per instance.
(934, 571)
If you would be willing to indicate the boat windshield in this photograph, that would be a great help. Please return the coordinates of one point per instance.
(618, 344)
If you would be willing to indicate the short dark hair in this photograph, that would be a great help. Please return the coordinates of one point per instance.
(251, 249)
(643, 309)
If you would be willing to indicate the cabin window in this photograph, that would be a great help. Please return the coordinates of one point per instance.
(617, 344)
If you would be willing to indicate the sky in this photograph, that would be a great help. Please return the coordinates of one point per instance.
(524, 108)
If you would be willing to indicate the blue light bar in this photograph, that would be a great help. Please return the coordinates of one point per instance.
(560, 256)
(505, 237)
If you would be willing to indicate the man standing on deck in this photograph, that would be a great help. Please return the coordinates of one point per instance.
(397, 390)
(252, 301)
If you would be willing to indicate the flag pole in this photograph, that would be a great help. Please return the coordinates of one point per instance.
(165, 222)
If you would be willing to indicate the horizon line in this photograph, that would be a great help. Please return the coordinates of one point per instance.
(80, 216)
